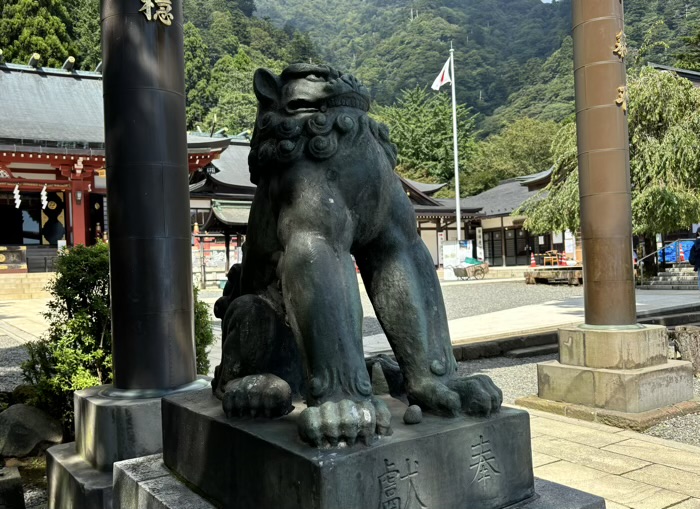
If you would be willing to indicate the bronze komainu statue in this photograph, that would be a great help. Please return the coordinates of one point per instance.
(292, 316)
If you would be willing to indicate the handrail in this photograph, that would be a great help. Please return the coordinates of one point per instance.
(664, 247)
(640, 260)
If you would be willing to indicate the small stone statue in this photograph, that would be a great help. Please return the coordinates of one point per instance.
(292, 317)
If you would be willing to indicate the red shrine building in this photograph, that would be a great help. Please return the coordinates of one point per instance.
(52, 160)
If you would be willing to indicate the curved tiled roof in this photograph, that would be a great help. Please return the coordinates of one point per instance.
(503, 199)
(424, 187)
(51, 106)
(57, 108)
(233, 166)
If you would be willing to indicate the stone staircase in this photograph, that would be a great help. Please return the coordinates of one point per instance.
(24, 286)
(680, 276)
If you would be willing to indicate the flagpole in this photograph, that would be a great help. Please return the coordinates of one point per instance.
(458, 211)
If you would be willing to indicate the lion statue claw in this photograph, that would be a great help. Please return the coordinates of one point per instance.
(291, 312)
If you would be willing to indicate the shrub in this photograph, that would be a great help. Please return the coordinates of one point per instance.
(203, 333)
(76, 350)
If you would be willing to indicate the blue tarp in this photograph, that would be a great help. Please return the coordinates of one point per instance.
(671, 254)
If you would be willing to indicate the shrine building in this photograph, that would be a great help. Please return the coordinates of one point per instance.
(52, 160)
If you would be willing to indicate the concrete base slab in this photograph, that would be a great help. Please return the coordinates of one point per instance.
(636, 422)
(11, 493)
(621, 390)
(147, 484)
(74, 483)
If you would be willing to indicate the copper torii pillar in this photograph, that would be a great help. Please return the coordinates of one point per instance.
(148, 195)
(610, 369)
(603, 162)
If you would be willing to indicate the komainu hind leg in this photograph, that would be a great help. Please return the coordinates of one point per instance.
(406, 295)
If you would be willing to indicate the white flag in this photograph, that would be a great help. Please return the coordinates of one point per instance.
(443, 77)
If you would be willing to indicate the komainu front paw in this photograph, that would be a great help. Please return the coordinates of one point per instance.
(257, 395)
(478, 394)
(344, 422)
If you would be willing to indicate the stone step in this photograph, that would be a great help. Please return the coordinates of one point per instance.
(672, 320)
(675, 279)
(26, 275)
(25, 296)
(4, 290)
(532, 351)
(24, 286)
(668, 287)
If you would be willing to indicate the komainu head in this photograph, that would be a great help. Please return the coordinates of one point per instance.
(308, 111)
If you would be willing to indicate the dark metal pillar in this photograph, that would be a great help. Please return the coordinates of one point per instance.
(147, 192)
(603, 161)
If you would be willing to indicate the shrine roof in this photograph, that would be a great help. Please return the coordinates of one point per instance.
(425, 188)
(229, 213)
(233, 166)
(59, 109)
(506, 197)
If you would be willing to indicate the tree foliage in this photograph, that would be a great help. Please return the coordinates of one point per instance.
(522, 148)
(664, 126)
(420, 123)
(41, 26)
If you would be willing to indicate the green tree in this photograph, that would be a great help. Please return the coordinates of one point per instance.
(301, 49)
(688, 57)
(197, 76)
(548, 96)
(41, 26)
(420, 123)
(220, 37)
(86, 34)
(522, 148)
(664, 126)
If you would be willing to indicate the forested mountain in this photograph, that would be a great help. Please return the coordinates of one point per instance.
(502, 47)
(396, 44)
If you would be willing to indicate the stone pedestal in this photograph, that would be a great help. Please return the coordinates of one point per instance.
(481, 463)
(109, 427)
(617, 372)
(147, 484)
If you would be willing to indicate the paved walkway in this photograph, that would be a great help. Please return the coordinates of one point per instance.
(540, 318)
(628, 469)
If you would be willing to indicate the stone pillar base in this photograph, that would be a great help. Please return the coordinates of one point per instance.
(146, 483)
(109, 427)
(622, 390)
(607, 374)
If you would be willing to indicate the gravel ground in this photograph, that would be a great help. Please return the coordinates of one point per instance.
(12, 355)
(518, 378)
(469, 299)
